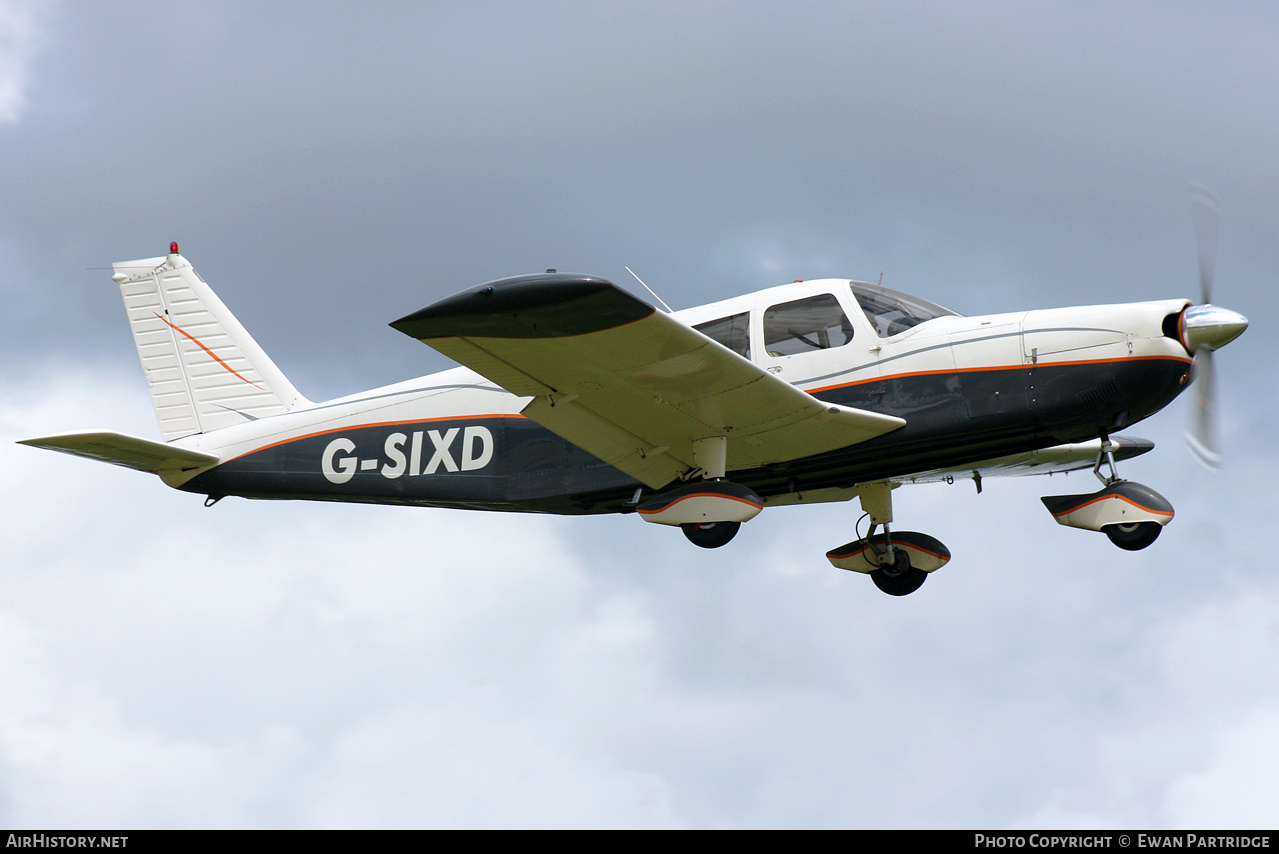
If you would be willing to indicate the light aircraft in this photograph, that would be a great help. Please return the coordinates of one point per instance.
(576, 397)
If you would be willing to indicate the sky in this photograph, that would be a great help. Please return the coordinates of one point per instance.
(329, 168)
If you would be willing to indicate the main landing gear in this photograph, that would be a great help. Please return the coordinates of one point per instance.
(1131, 514)
(710, 535)
(898, 562)
(709, 511)
(897, 578)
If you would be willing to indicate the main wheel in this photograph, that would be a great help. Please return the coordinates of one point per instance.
(899, 579)
(1134, 536)
(710, 535)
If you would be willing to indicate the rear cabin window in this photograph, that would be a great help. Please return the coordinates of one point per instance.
(802, 326)
(733, 332)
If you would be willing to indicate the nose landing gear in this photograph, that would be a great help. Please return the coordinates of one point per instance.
(1129, 513)
(1133, 536)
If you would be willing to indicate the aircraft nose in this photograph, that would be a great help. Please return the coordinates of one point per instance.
(1211, 327)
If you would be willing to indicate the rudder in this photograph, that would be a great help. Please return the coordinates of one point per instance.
(204, 371)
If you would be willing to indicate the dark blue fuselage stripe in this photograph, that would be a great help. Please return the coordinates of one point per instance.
(952, 419)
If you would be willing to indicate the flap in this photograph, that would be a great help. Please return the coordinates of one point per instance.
(634, 387)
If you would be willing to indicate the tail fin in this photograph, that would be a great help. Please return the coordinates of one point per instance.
(204, 370)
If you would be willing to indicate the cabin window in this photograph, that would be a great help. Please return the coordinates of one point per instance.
(891, 312)
(802, 326)
(733, 332)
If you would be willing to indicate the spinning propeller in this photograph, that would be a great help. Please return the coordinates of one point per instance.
(1206, 328)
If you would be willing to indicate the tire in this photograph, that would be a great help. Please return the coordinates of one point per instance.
(901, 579)
(710, 535)
(1135, 536)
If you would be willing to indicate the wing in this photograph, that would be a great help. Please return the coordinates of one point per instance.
(1054, 460)
(632, 386)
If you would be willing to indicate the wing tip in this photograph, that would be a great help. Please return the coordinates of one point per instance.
(540, 305)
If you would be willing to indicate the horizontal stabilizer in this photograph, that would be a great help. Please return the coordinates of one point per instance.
(128, 451)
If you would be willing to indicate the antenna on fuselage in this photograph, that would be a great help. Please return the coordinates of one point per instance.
(651, 291)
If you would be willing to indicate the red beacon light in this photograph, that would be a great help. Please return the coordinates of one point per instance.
(173, 248)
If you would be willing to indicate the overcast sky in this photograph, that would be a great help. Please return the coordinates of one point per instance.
(330, 168)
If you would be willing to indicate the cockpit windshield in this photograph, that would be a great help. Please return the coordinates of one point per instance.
(893, 312)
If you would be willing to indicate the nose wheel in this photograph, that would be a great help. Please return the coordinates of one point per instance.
(1129, 513)
(1133, 536)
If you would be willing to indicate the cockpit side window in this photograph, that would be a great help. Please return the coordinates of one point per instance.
(733, 332)
(802, 326)
(892, 312)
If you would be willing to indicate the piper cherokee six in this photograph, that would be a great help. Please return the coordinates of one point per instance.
(576, 397)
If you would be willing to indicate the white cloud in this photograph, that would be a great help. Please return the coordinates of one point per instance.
(276, 663)
(20, 38)
(1239, 785)
(286, 664)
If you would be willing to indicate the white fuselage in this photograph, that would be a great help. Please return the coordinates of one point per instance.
(414, 430)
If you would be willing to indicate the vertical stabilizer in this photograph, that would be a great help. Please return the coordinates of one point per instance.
(205, 372)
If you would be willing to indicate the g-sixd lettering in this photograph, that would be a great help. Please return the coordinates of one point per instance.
(402, 454)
